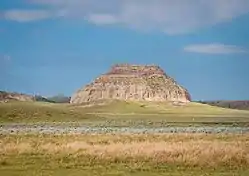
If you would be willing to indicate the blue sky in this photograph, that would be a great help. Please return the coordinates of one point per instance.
(49, 47)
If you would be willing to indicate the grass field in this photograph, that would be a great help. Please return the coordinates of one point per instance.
(120, 154)
(31, 112)
(125, 155)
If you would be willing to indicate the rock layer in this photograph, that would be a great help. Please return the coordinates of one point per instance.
(132, 82)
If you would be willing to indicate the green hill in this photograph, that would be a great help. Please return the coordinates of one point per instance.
(118, 110)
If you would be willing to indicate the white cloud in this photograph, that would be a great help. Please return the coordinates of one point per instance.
(102, 19)
(169, 16)
(214, 48)
(5, 58)
(27, 15)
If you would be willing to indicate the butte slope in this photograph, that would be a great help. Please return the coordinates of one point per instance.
(135, 83)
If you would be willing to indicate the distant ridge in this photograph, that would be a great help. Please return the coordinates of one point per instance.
(59, 99)
(240, 104)
(14, 96)
(10, 96)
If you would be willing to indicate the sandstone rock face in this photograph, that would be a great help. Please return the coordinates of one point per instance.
(7, 96)
(132, 82)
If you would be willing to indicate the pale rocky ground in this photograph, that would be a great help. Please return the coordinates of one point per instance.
(82, 129)
(135, 83)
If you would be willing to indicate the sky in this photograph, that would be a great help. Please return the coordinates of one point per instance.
(51, 47)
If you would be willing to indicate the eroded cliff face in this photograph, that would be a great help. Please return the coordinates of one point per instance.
(133, 82)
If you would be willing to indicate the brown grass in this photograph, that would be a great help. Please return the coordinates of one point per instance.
(190, 150)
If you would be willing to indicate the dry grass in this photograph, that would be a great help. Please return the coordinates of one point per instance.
(199, 153)
(182, 149)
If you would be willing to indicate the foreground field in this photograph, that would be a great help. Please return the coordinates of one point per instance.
(128, 155)
(35, 139)
(35, 112)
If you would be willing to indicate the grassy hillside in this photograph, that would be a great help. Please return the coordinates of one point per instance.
(117, 110)
(40, 112)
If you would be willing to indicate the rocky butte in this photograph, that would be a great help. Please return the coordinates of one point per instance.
(135, 83)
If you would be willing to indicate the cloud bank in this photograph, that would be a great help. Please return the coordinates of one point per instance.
(215, 49)
(27, 15)
(169, 16)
